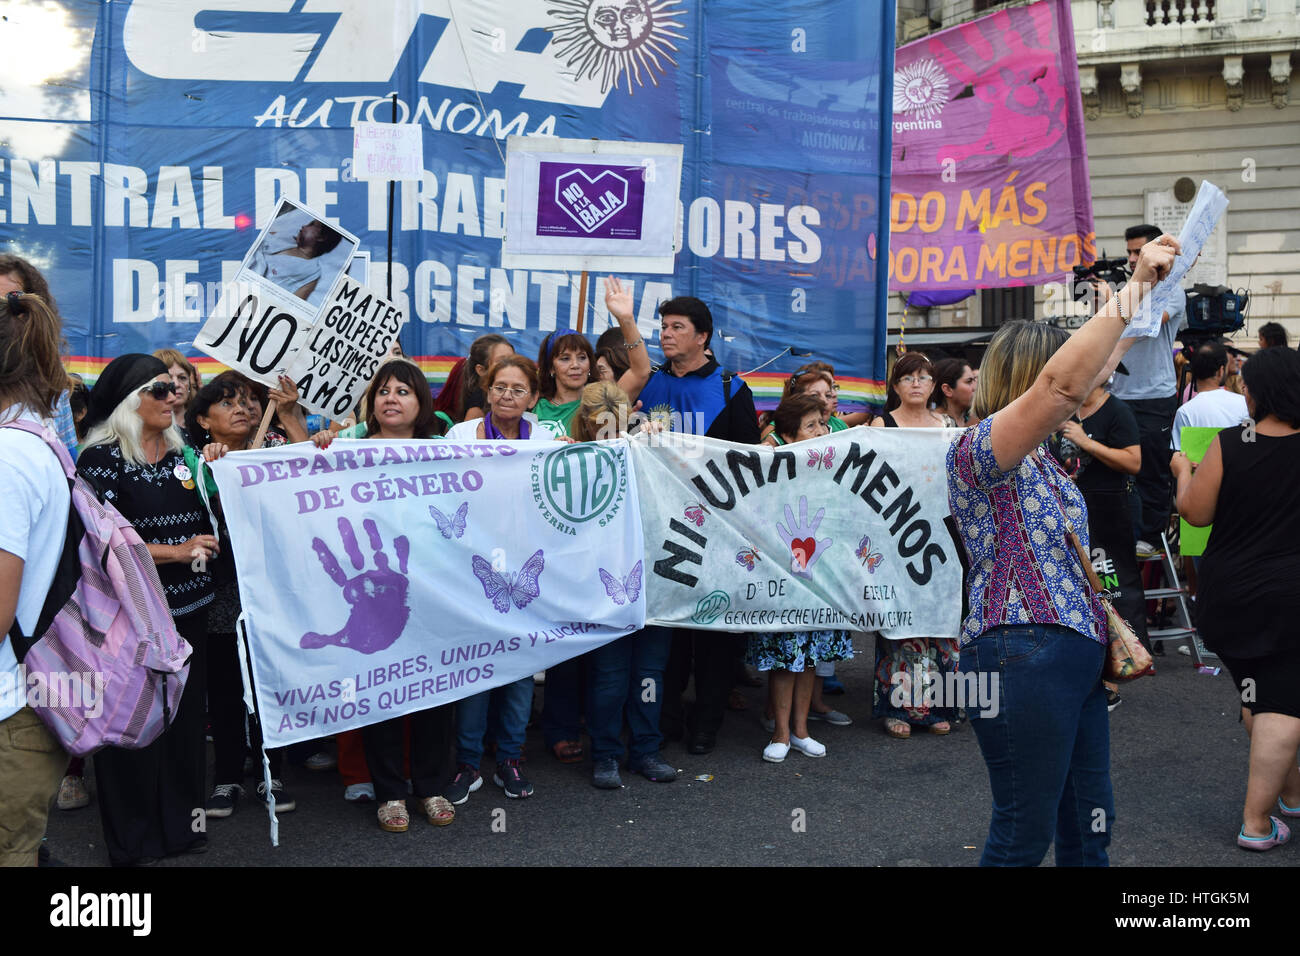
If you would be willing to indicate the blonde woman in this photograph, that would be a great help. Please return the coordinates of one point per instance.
(618, 671)
(1035, 630)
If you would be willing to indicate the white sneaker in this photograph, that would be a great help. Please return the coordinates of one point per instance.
(321, 761)
(775, 752)
(1147, 551)
(359, 792)
(807, 746)
(1184, 650)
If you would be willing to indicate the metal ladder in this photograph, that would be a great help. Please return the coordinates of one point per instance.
(1201, 656)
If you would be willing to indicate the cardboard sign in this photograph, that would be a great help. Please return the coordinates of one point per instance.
(386, 151)
(342, 352)
(280, 291)
(587, 204)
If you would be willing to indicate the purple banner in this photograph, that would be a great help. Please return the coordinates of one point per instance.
(990, 166)
(590, 200)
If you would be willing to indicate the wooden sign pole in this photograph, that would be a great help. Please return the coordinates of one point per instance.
(582, 299)
(266, 423)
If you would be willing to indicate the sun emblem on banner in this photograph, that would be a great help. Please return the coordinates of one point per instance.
(616, 39)
(921, 88)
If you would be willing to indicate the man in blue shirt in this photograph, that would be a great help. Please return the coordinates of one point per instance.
(1150, 389)
(691, 393)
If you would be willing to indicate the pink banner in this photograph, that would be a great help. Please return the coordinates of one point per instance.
(990, 166)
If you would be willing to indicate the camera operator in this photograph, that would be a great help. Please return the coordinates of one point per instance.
(1150, 389)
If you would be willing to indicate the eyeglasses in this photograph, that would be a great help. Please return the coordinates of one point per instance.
(514, 391)
(159, 390)
(917, 380)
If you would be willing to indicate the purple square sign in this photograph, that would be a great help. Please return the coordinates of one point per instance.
(590, 200)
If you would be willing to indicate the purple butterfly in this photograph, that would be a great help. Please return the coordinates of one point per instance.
(504, 588)
(455, 525)
(870, 559)
(823, 460)
(625, 591)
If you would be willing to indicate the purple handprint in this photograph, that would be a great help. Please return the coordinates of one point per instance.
(378, 598)
(805, 549)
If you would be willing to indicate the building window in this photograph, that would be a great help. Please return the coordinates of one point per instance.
(999, 306)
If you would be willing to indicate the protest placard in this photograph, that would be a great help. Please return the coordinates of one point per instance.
(343, 350)
(845, 532)
(1210, 204)
(379, 578)
(591, 205)
(263, 316)
(385, 151)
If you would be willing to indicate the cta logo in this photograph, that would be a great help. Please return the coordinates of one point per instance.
(619, 41)
(578, 484)
(921, 89)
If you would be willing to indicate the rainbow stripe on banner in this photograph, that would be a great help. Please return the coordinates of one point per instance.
(856, 394)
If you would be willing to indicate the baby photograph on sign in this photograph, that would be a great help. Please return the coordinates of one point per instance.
(301, 254)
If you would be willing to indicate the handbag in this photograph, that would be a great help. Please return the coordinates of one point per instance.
(1126, 658)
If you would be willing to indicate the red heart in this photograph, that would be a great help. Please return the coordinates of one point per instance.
(807, 546)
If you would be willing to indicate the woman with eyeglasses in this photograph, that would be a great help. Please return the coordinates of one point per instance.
(902, 663)
(134, 455)
(511, 387)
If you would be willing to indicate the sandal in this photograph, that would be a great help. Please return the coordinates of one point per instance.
(940, 727)
(898, 729)
(439, 810)
(393, 816)
(568, 751)
(1276, 837)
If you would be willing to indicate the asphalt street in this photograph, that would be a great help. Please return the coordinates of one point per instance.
(1179, 761)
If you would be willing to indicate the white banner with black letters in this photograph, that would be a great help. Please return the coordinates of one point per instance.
(841, 532)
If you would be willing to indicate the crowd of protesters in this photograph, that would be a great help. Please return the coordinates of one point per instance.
(1052, 434)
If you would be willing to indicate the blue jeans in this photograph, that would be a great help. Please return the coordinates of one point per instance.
(1048, 747)
(514, 705)
(618, 672)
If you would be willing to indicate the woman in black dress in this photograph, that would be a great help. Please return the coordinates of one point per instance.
(1247, 599)
(148, 798)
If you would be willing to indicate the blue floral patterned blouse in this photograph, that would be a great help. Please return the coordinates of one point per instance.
(1023, 569)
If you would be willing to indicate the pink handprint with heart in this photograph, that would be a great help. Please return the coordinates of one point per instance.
(801, 538)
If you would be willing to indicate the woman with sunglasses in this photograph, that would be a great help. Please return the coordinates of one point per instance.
(901, 663)
(134, 455)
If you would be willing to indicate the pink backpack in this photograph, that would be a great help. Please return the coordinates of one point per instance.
(107, 666)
